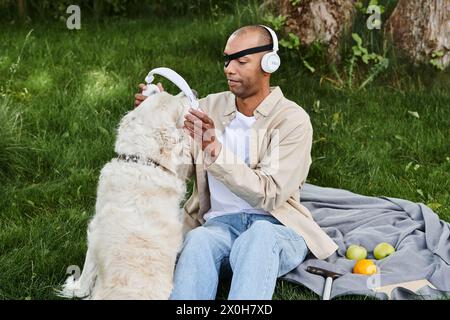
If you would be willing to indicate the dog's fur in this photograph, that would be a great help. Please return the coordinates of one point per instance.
(136, 232)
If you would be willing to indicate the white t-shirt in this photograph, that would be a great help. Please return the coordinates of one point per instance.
(236, 139)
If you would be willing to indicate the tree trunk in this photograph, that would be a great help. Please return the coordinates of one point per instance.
(21, 6)
(98, 9)
(421, 29)
(323, 21)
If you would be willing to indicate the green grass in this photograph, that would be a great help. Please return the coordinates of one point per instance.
(63, 92)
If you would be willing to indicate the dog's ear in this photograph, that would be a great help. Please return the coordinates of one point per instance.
(182, 110)
(181, 93)
(166, 142)
(180, 121)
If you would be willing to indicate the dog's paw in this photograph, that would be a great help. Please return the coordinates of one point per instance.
(72, 289)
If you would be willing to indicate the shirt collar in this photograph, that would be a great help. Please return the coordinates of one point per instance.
(264, 108)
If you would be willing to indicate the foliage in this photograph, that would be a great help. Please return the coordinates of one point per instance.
(364, 63)
(436, 60)
(277, 23)
(295, 2)
(359, 5)
(100, 9)
(380, 63)
(292, 42)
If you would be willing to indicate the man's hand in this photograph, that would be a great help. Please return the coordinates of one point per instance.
(139, 97)
(201, 128)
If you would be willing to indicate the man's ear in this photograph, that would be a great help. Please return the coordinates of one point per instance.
(265, 74)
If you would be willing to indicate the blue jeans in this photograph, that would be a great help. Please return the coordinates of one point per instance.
(256, 249)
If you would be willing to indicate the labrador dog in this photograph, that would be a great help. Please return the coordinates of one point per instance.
(136, 232)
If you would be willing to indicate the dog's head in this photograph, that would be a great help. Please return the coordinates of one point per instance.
(153, 130)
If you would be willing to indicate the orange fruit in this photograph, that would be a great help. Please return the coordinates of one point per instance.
(365, 266)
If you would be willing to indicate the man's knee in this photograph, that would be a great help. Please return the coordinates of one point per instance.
(204, 241)
(260, 230)
(197, 236)
(261, 226)
(259, 238)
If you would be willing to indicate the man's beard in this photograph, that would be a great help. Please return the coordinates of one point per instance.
(243, 91)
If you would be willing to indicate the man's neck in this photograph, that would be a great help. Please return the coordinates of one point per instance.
(247, 105)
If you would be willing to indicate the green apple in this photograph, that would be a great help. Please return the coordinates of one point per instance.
(382, 250)
(355, 252)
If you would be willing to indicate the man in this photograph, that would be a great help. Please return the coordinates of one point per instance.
(244, 211)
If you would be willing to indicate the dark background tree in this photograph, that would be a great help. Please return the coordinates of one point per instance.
(322, 21)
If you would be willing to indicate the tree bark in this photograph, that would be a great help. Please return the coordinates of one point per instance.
(420, 28)
(323, 21)
(21, 6)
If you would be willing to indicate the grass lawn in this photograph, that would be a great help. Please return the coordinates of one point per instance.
(63, 92)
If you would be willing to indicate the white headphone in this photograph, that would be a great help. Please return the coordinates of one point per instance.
(175, 78)
(271, 61)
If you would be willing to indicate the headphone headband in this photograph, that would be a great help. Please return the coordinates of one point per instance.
(274, 37)
(177, 80)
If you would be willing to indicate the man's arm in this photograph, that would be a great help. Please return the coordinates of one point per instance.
(276, 177)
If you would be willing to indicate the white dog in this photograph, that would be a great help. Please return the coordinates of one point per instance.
(136, 232)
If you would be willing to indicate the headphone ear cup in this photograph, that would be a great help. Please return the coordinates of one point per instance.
(270, 62)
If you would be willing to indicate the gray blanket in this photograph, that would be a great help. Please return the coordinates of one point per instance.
(421, 240)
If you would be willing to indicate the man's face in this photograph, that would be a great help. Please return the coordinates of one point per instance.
(244, 74)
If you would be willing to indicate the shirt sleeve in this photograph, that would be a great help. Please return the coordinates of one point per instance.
(277, 176)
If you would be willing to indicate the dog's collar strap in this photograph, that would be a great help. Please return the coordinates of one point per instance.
(137, 159)
(239, 54)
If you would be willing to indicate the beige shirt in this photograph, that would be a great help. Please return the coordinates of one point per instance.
(279, 161)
